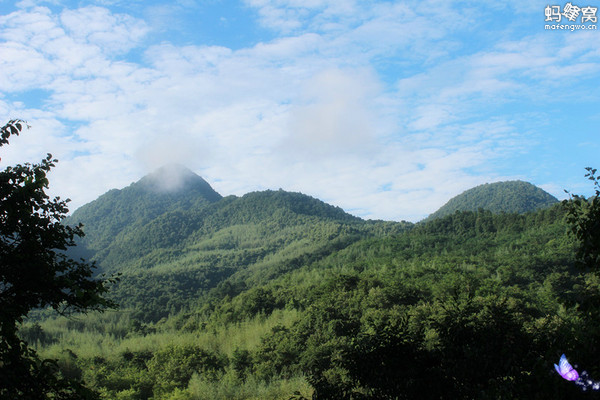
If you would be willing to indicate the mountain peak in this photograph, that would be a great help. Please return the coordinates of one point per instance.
(171, 178)
(171, 187)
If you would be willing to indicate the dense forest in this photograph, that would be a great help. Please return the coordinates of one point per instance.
(277, 295)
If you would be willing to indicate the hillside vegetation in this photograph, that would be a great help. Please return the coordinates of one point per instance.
(510, 197)
(277, 295)
(173, 245)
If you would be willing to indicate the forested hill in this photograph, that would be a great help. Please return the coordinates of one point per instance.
(166, 208)
(510, 197)
(170, 232)
(185, 238)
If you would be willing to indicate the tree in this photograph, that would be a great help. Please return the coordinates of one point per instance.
(35, 272)
(584, 216)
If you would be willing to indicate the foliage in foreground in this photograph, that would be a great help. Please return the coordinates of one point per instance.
(34, 273)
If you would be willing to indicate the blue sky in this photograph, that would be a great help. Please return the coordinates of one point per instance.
(384, 108)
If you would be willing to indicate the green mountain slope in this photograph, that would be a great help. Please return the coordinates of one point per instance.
(117, 212)
(173, 245)
(176, 241)
(480, 305)
(510, 197)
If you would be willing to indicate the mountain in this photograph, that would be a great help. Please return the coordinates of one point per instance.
(509, 196)
(175, 240)
(164, 208)
(170, 232)
(326, 309)
(277, 295)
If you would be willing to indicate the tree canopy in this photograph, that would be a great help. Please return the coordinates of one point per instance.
(584, 216)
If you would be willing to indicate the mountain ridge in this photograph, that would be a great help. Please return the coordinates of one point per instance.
(129, 223)
(190, 239)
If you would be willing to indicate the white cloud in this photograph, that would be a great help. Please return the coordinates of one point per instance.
(112, 33)
(334, 117)
(43, 50)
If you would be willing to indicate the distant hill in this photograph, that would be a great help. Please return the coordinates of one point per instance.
(509, 196)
